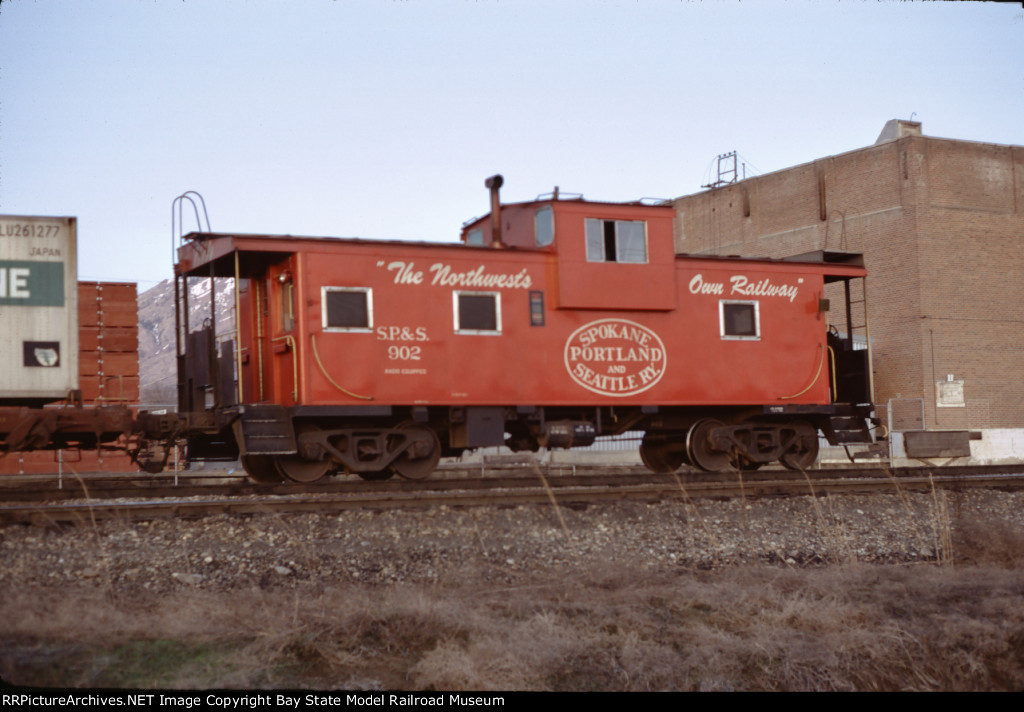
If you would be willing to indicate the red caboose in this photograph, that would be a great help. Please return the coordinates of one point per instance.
(552, 322)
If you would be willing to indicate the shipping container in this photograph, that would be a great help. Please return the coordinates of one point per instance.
(38, 309)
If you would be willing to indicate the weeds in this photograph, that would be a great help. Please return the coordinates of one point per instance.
(692, 508)
(757, 628)
(602, 622)
(989, 542)
(558, 511)
(941, 526)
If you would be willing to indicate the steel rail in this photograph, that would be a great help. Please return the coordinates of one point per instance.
(213, 484)
(93, 511)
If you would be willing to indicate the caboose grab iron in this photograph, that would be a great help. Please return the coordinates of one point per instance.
(551, 322)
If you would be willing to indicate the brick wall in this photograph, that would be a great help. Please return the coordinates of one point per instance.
(941, 224)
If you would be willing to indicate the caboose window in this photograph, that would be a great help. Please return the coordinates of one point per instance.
(287, 307)
(477, 313)
(739, 320)
(347, 308)
(616, 241)
(544, 224)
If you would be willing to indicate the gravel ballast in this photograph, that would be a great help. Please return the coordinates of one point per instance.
(224, 552)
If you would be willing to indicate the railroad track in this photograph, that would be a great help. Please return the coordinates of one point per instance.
(37, 488)
(497, 491)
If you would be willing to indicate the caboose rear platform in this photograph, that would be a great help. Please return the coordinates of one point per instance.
(551, 323)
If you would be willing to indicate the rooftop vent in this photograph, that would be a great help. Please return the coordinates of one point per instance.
(898, 128)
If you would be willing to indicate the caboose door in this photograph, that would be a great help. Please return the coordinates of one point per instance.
(277, 314)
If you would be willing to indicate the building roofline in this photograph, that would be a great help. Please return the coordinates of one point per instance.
(877, 144)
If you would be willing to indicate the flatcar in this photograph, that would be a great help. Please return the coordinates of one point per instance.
(41, 396)
(550, 323)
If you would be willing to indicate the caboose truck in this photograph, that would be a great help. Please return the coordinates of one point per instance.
(552, 322)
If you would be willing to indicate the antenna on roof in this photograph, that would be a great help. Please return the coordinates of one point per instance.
(727, 172)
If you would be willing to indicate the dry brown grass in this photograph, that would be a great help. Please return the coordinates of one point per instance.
(578, 626)
(988, 542)
(852, 627)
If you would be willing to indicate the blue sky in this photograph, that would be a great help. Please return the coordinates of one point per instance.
(382, 118)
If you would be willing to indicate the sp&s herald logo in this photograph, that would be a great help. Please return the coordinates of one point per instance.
(615, 357)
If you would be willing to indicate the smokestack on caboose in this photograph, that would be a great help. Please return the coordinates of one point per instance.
(494, 184)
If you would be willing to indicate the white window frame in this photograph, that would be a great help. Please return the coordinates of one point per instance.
(497, 312)
(547, 214)
(368, 291)
(601, 257)
(723, 303)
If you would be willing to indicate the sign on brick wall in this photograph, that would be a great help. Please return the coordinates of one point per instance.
(950, 394)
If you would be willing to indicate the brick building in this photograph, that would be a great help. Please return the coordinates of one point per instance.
(941, 225)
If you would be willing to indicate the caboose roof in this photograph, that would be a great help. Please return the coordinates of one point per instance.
(200, 249)
(655, 204)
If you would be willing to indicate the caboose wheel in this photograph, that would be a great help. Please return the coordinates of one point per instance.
(422, 453)
(260, 468)
(701, 451)
(803, 452)
(296, 469)
(660, 454)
